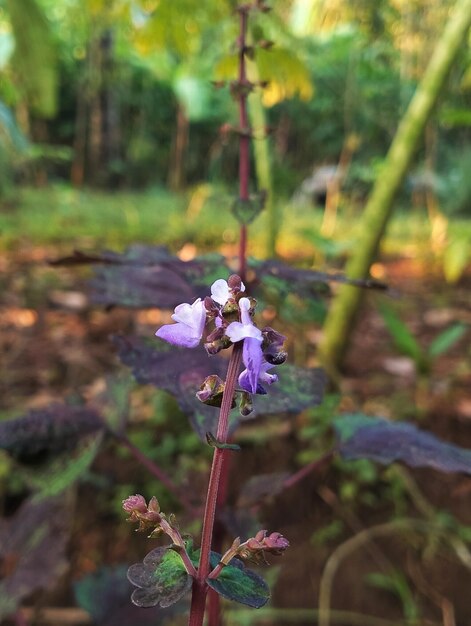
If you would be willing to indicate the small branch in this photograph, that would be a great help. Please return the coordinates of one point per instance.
(157, 472)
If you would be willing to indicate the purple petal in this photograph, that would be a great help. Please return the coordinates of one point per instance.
(245, 384)
(252, 357)
(179, 335)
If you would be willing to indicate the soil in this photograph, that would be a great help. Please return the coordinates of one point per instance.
(54, 344)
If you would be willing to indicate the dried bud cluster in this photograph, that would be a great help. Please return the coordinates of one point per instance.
(148, 516)
(255, 548)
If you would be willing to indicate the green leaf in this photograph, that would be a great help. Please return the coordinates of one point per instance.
(63, 471)
(447, 339)
(456, 258)
(236, 582)
(402, 337)
(161, 579)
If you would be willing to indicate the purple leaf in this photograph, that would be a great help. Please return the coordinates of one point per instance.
(181, 372)
(386, 442)
(53, 429)
(34, 543)
(105, 596)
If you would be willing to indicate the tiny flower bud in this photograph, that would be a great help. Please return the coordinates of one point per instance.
(245, 404)
(235, 284)
(135, 503)
(275, 543)
(211, 390)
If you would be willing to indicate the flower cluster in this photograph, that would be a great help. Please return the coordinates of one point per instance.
(229, 314)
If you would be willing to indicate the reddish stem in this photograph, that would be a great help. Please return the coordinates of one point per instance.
(200, 587)
(219, 476)
(307, 469)
(158, 473)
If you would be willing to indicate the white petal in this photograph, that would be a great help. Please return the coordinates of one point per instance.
(220, 291)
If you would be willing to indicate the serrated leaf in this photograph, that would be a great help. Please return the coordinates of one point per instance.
(161, 579)
(240, 584)
(34, 543)
(181, 372)
(386, 442)
(446, 339)
(55, 428)
(105, 596)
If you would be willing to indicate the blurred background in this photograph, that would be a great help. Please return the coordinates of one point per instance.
(115, 130)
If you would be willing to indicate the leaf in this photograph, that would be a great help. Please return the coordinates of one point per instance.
(53, 429)
(261, 486)
(105, 596)
(176, 370)
(297, 389)
(64, 471)
(402, 337)
(33, 547)
(447, 339)
(149, 276)
(181, 372)
(386, 442)
(456, 258)
(236, 582)
(161, 579)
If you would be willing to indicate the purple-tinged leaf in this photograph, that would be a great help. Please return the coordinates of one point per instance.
(105, 596)
(261, 486)
(286, 279)
(55, 428)
(386, 442)
(146, 276)
(33, 542)
(176, 370)
(161, 579)
(240, 584)
(181, 372)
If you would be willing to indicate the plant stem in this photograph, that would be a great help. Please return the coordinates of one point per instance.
(157, 472)
(244, 137)
(220, 467)
(200, 588)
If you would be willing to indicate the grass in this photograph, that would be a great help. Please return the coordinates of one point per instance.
(67, 217)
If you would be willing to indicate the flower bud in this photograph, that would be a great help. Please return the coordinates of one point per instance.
(135, 503)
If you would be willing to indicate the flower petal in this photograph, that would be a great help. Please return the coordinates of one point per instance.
(193, 315)
(179, 335)
(238, 331)
(220, 292)
(252, 357)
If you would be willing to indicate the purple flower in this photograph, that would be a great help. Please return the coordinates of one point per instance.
(188, 330)
(221, 292)
(263, 377)
(252, 350)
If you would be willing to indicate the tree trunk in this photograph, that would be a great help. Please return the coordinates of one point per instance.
(371, 227)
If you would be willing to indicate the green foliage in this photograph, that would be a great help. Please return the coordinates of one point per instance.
(35, 56)
(237, 583)
(407, 344)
